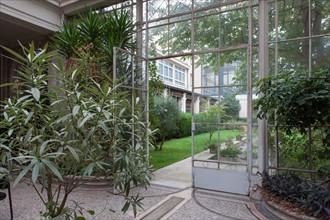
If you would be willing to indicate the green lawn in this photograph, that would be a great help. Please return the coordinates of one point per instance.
(178, 149)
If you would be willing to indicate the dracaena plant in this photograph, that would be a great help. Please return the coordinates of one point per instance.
(55, 134)
(98, 33)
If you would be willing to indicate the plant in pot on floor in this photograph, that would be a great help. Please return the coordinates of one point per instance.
(212, 146)
(231, 152)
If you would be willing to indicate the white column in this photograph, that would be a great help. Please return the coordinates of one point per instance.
(197, 103)
(184, 99)
(165, 92)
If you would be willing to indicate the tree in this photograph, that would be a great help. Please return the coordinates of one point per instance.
(210, 118)
(232, 105)
(167, 111)
(298, 101)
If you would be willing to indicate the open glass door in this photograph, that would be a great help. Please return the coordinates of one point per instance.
(221, 142)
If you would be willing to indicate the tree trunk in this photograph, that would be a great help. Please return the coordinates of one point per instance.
(318, 46)
(161, 143)
(305, 21)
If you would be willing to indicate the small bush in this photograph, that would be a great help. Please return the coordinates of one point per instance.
(231, 151)
(184, 125)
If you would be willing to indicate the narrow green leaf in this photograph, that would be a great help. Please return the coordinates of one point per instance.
(28, 136)
(73, 152)
(35, 138)
(22, 174)
(75, 110)
(10, 132)
(84, 120)
(89, 170)
(14, 53)
(53, 168)
(35, 172)
(28, 117)
(43, 146)
(106, 114)
(23, 98)
(36, 93)
(122, 111)
(104, 127)
(4, 147)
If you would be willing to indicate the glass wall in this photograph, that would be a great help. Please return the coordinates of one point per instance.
(223, 39)
(299, 44)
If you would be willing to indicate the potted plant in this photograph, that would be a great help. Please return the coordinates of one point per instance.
(212, 146)
(230, 153)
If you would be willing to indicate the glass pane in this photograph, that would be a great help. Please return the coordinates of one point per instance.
(157, 9)
(271, 25)
(320, 17)
(320, 154)
(271, 59)
(255, 153)
(179, 6)
(220, 143)
(179, 37)
(271, 146)
(234, 28)
(320, 52)
(158, 41)
(293, 150)
(255, 65)
(221, 30)
(293, 55)
(225, 4)
(207, 32)
(255, 25)
(221, 69)
(202, 3)
(293, 19)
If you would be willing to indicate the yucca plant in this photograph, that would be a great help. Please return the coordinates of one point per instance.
(55, 136)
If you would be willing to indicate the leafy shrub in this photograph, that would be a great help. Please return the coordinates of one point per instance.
(167, 111)
(314, 197)
(231, 151)
(299, 100)
(184, 125)
(293, 149)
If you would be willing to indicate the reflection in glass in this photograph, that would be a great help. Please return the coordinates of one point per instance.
(320, 52)
(293, 19)
(320, 17)
(293, 55)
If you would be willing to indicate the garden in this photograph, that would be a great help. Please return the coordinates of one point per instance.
(78, 110)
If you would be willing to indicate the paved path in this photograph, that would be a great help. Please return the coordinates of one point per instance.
(169, 197)
(198, 203)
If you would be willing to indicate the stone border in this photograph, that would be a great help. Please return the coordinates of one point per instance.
(282, 213)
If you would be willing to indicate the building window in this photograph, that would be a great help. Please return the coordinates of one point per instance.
(209, 79)
(180, 76)
(166, 70)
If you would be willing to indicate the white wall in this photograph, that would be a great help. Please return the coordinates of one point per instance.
(243, 102)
